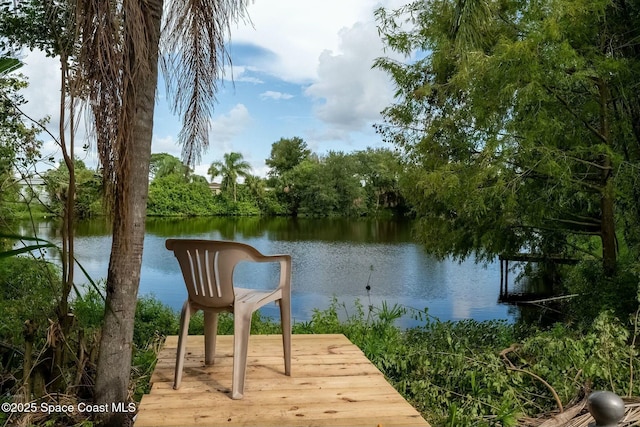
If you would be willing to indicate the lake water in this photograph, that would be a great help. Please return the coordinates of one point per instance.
(331, 257)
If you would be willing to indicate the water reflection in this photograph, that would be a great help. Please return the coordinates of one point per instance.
(330, 257)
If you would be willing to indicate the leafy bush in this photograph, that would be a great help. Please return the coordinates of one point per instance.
(89, 310)
(28, 291)
(598, 293)
(259, 324)
(171, 195)
(88, 196)
(469, 373)
(153, 319)
(238, 208)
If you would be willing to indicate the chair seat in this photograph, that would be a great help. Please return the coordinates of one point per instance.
(253, 296)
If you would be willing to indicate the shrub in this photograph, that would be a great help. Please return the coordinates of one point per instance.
(598, 293)
(153, 319)
(28, 291)
(171, 195)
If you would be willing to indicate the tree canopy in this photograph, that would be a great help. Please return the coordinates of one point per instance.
(518, 122)
(163, 164)
(286, 154)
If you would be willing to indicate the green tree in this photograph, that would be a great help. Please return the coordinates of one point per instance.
(515, 120)
(163, 164)
(19, 147)
(256, 187)
(230, 168)
(114, 47)
(171, 195)
(87, 196)
(50, 27)
(286, 154)
(380, 171)
(323, 186)
(342, 177)
(305, 190)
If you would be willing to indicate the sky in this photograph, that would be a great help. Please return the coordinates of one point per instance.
(300, 68)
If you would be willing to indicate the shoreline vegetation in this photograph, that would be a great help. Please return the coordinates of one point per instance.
(361, 183)
(462, 373)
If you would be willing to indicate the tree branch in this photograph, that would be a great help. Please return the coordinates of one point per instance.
(564, 102)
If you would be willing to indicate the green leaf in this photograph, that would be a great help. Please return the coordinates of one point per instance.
(8, 65)
(14, 252)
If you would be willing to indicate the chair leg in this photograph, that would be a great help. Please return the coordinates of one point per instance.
(241, 331)
(185, 316)
(210, 333)
(285, 320)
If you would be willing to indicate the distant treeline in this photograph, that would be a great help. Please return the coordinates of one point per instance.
(299, 183)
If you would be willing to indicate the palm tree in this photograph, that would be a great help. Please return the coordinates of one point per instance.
(118, 64)
(255, 185)
(232, 166)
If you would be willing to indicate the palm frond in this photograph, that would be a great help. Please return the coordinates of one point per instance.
(194, 44)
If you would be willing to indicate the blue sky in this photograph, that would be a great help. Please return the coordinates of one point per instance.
(300, 68)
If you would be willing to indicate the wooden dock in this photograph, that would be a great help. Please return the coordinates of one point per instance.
(332, 384)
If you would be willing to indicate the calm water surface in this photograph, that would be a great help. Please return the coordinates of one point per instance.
(331, 257)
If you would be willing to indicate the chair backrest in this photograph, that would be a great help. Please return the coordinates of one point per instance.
(207, 267)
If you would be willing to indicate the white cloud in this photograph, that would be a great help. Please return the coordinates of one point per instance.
(349, 94)
(315, 44)
(247, 79)
(284, 28)
(238, 74)
(330, 47)
(260, 169)
(298, 31)
(275, 95)
(43, 96)
(224, 128)
(166, 144)
(202, 169)
(43, 91)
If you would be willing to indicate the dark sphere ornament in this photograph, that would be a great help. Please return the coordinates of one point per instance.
(606, 408)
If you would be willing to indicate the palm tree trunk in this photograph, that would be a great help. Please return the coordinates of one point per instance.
(114, 360)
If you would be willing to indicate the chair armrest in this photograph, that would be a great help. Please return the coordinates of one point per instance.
(285, 268)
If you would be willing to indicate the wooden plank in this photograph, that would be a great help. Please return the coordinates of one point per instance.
(281, 415)
(332, 384)
(192, 362)
(266, 340)
(224, 347)
(293, 384)
(270, 398)
(337, 420)
(263, 371)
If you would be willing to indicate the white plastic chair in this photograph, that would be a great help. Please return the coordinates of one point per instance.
(207, 268)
